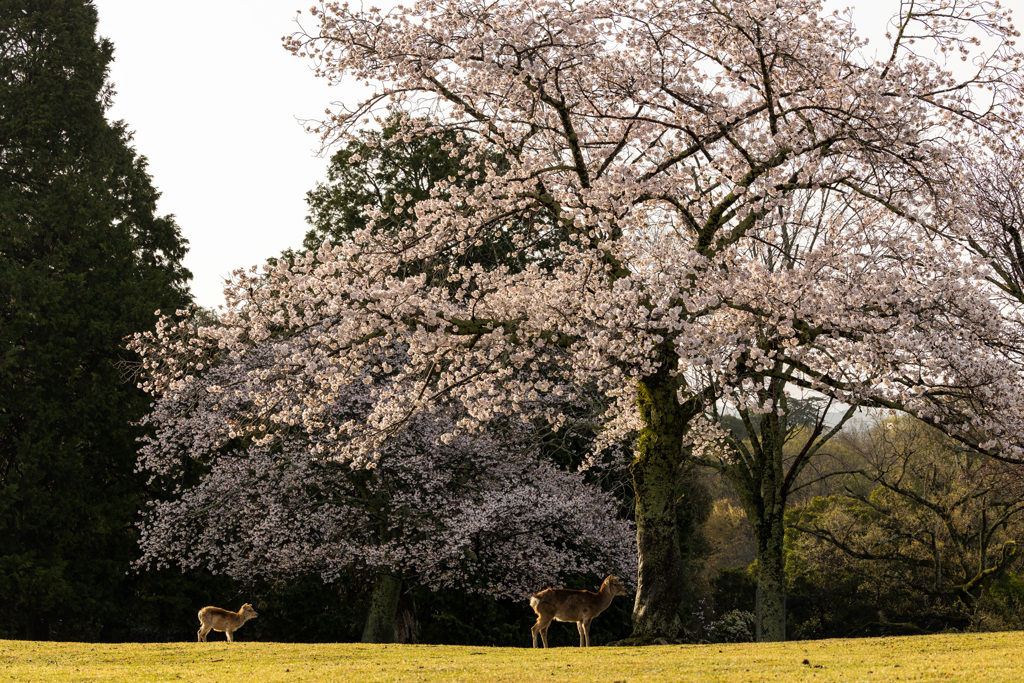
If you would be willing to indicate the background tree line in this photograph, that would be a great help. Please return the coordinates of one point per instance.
(888, 528)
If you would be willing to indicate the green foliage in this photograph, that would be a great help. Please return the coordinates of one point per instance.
(387, 173)
(735, 626)
(382, 171)
(305, 610)
(161, 606)
(455, 618)
(734, 590)
(1003, 602)
(922, 541)
(768, 458)
(693, 507)
(84, 261)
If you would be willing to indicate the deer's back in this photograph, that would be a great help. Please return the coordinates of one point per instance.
(217, 616)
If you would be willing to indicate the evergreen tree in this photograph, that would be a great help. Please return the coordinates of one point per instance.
(380, 177)
(84, 262)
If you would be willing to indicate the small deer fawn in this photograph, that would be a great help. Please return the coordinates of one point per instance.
(217, 619)
(561, 604)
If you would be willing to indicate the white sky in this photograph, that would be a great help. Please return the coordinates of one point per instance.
(214, 100)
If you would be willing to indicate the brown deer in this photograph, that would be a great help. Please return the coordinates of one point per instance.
(562, 604)
(217, 619)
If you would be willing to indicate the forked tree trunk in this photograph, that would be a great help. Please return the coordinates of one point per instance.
(762, 492)
(380, 622)
(661, 578)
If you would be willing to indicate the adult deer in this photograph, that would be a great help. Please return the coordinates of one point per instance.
(562, 604)
(217, 619)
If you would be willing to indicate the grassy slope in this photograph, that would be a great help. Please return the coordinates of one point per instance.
(973, 657)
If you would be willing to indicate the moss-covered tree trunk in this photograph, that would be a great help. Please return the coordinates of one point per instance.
(771, 583)
(661, 577)
(769, 531)
(380, 621)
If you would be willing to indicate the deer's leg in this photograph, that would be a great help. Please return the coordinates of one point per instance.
(231, 636)
(541, 627)
(579, 627)
(202, 633)
(586, 631)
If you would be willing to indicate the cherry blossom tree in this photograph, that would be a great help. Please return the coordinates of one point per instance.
(994, 190)
(661, 144)
(662, 138)
(251, 498)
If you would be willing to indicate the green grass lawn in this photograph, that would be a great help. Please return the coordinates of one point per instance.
(974, 658)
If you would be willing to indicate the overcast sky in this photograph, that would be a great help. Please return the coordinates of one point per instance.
(214, 101)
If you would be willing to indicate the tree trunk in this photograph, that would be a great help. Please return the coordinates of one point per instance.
(655, 470)
(380, 622)
(406, 629)
(760, 484)
(771, 583)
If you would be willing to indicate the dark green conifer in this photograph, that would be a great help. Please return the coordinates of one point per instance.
(84, 262)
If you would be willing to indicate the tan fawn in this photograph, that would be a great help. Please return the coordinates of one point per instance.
(562, 604)
(217, 619)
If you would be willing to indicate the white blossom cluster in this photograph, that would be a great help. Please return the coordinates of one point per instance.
(252, 497)
(736, 189)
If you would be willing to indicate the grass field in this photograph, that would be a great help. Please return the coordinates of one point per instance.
(974, 658)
